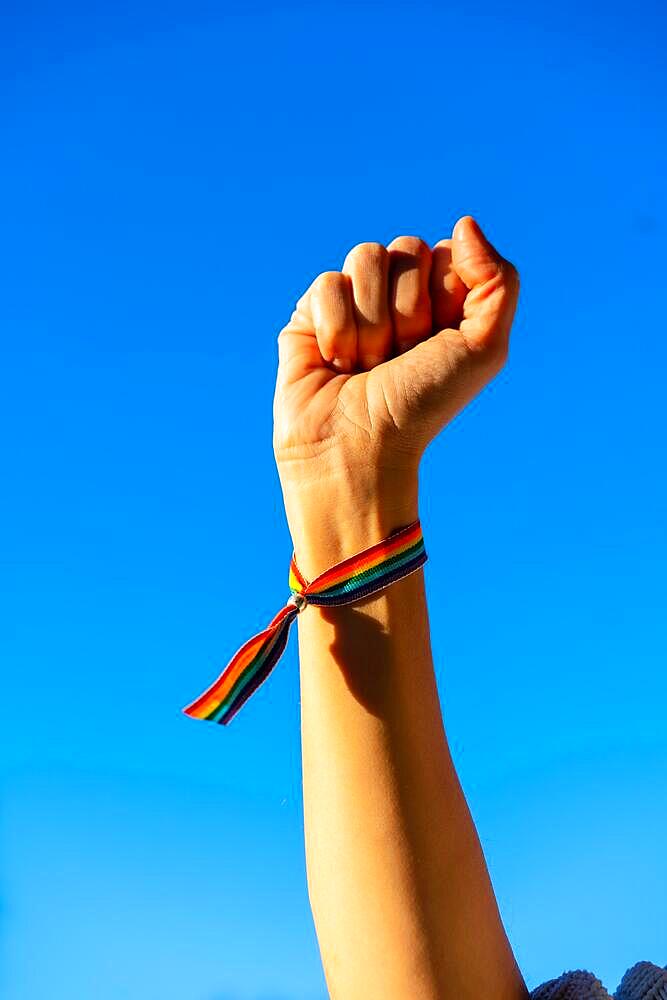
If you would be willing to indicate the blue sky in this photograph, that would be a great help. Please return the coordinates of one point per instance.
(173, 176)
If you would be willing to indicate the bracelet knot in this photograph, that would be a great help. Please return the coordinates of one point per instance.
(300, 600)
(351, 580)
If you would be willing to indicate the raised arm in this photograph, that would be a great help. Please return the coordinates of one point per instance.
(375, 360)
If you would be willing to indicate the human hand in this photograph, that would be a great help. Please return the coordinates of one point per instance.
(373, 363)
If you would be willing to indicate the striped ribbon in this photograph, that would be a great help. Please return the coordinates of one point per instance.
(348, 581)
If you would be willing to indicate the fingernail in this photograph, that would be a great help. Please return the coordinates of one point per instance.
(342, 364)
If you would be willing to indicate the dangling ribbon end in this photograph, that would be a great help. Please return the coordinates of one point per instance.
(244, 673)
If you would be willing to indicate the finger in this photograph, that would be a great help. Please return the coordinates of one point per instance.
(332, 311)
(298, 352)
(367, 266)
(409, 298)
(448, 292)
(493, 285)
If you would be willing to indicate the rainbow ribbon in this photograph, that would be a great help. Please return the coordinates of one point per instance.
(348, 581)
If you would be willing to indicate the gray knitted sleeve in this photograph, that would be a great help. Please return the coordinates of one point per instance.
(644, 981)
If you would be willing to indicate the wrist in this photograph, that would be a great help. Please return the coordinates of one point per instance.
(335, 515)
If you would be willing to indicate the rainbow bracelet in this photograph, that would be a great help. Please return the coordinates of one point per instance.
(348, 581)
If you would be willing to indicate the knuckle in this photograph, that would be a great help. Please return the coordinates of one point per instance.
(329, 281)
(414, 245)
(365, 254)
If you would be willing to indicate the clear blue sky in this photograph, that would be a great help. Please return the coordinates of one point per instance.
(173, 175)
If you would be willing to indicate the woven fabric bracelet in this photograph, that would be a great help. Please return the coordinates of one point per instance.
(348, 581)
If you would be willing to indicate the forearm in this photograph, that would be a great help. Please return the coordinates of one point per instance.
(400, 893)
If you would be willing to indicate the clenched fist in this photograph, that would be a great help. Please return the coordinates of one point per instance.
(374, 361)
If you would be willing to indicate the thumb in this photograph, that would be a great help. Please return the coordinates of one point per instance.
(492, 283)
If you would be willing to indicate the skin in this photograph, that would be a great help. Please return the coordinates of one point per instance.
(374, 362)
